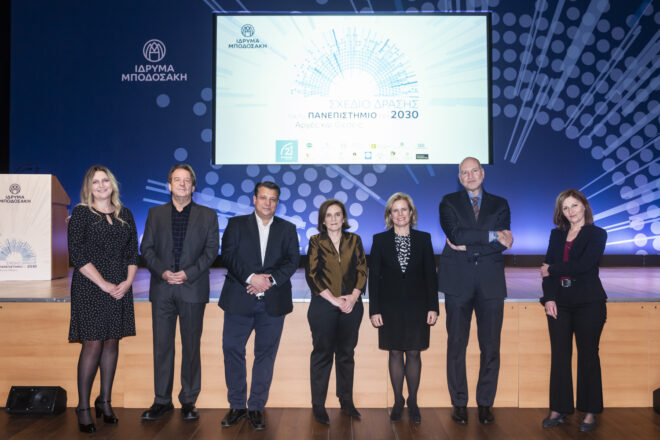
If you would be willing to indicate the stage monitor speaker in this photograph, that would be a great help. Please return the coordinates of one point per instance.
(656, 400)
(36, 400)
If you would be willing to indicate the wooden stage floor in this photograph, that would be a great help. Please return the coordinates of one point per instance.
(298, 424)
(625, 284)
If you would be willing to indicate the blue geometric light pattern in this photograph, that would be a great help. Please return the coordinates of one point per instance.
(572, 67)
(614, 113)
(611, 110)
(300, 197)
(355, 51)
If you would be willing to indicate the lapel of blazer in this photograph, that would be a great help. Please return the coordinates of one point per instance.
(166, 219)
(253, 232)
(274, 229)
(391, 247)
(192, 221)
(466, 205)
(558, 245)
(485, 206)
(414, 243)
(578, 242)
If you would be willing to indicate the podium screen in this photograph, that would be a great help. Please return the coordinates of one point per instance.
(344, 89)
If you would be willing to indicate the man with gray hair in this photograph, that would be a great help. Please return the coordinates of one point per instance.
(471, 275)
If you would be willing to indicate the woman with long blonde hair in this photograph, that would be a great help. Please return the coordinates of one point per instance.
(103, 250)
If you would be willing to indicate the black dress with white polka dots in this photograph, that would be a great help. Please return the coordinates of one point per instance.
(111, 248)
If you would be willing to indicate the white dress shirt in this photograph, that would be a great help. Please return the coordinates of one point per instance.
(264, 231)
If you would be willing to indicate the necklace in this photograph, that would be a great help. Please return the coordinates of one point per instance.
(103, 212)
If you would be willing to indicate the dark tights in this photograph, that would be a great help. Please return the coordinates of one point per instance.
(412, 369)
(95, 354)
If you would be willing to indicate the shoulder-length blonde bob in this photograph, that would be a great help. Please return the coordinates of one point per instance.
(87, 197)
(388, 209)
(560, 219)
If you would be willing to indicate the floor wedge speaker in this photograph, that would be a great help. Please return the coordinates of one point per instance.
(36, 400)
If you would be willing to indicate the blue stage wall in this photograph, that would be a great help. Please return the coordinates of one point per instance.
(575, 88)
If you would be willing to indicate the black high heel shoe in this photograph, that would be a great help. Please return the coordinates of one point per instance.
(88, 429)
(397, 410)
(111, 419)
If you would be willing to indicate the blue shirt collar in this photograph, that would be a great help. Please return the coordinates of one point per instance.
(470, 196)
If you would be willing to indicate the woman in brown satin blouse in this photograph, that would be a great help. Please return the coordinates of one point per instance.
(336, 273)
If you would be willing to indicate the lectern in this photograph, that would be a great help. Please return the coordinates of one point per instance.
(33, 215)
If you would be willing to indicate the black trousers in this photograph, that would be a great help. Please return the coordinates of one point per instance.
(489, 313)
(164, 314)
(334, 334)
(586, 321)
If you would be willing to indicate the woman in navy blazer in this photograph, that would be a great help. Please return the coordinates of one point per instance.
(403, 298)
(574, 301)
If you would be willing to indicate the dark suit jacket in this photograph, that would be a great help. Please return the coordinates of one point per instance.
(457, 269)
(200, 248)
(581, 267)
(325, 271)
(389, 288)
(241, 253)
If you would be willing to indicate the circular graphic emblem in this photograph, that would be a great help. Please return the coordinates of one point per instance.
(247, 30)
(14, 188)
(153, 50)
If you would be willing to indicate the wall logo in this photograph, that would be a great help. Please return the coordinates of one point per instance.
(14, 188)
(247, 30)
(154, 50)
(286, 151)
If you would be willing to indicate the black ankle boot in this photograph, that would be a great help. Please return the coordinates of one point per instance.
(349, 409)
(320, 414)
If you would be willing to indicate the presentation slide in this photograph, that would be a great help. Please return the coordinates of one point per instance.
(345, 89)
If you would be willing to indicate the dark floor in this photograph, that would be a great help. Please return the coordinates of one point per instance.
(298, 424)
